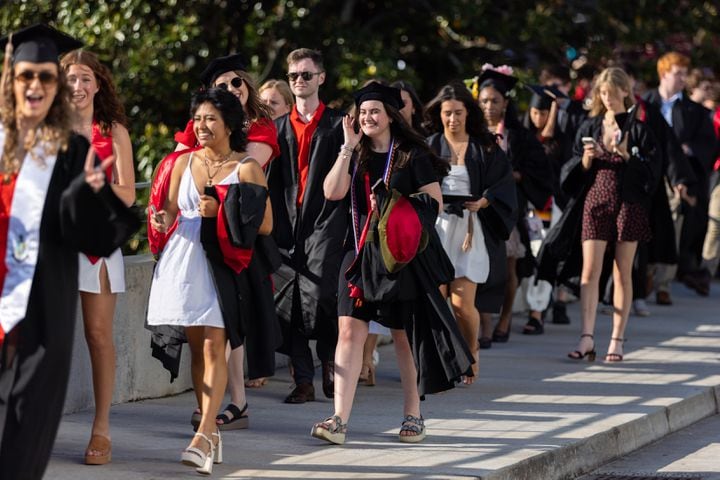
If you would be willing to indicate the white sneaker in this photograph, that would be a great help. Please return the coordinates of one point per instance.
(640, 308)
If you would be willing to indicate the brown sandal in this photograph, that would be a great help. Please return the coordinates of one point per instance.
(98, 443)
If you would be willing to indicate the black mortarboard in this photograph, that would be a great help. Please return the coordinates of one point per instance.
(543, 96)
(499, 81)
(39, 43)
(220, 65)
(376, 91)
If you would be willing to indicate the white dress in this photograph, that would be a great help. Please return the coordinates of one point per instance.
(89, 277)
(182, 291)
(475, 263)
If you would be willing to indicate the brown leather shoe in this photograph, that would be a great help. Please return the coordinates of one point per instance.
(305, 392)
(663, 298)
(698, 281)
(328, 379)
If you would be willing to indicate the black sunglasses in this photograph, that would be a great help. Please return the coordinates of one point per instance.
(45, 77)
(236, 82)
(307, 76)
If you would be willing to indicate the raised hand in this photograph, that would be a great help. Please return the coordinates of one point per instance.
(351, 138)
(95, 176)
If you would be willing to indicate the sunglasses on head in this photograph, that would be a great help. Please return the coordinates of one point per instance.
(236, 82)
(307, 76)
(45, 77)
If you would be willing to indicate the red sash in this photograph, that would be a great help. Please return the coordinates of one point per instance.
(234, 257)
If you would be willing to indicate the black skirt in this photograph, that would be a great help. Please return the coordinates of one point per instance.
(391, 315)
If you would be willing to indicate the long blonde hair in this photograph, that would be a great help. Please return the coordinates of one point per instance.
(616, 79)
(53, 131)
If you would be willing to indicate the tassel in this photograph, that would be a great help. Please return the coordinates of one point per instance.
(7, 72)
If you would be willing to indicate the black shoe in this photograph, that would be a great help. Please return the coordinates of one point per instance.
(560, 316)
(484, 343)
(305, 392)
(698, 281)
(533, 326)
(501, 337)
(328, 379)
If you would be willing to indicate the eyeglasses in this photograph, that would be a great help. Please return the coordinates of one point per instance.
(45, 77)
(236, 82)
(307, 76)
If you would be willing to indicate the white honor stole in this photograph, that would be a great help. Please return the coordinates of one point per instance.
(23, 240)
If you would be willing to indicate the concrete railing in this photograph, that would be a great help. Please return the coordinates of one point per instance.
(138, 374)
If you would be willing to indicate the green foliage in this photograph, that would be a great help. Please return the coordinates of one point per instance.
(157, 48)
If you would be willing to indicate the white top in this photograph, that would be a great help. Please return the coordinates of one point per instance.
(182, 291)
(473, 264)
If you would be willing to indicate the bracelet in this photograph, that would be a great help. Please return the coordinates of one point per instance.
(346, 147)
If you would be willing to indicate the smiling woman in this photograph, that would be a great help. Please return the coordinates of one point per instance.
(53, 203)
(99, 116)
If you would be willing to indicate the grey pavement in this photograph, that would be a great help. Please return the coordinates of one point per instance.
(533, 414)
(693, 452)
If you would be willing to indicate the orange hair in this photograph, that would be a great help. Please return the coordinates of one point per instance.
(666, 62)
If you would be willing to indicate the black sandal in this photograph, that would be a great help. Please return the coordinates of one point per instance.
(590, 354)
(239, 419)
(533, 327)
(615, 357)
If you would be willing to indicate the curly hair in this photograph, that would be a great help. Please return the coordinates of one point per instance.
(408, 140)
(107, 106)
(53, 131)
(230, 109)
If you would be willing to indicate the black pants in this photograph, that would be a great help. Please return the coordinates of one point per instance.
(300, 353)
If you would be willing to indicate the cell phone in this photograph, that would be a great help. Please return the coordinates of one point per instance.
(153, 210)
(588, 141)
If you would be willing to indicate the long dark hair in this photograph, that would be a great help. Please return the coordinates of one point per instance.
(256, 108)
(107, 107)
(419, 114)
(230, 109)
(475, 124)
(408, 141)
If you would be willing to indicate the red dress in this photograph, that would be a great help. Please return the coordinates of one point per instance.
(605, 215)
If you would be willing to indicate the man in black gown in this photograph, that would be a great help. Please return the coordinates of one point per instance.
(308, 228)
(692, 126)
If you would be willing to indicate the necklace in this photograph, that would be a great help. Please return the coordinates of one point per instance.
(217, 165)
(458, 149)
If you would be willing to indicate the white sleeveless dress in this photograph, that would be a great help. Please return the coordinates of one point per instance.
(475, 263)
(182, 291)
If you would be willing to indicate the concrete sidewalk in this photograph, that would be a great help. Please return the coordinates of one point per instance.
(534, 414)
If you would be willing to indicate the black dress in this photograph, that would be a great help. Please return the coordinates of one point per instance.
(407, 180)
(409, 298)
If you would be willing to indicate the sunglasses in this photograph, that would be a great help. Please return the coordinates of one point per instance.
(236, 82)
(45, 77)
(307, 76)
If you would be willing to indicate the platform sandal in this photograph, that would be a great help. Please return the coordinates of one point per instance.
(413, 424)
(331, 430)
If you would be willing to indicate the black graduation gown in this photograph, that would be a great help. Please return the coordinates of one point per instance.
(692, 126)
(491, 177)
(311, 240)
(527, 156)
(662, 247)
(33, 384)
(560, 257)
(245, 297)
(558, 150)
(440, 352)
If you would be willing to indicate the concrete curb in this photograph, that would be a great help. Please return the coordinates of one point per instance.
(573, 460)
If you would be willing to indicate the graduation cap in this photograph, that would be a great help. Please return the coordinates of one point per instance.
(543, 96)
(39, 44)
(220, 65)
(499, 81)
(376, 91)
